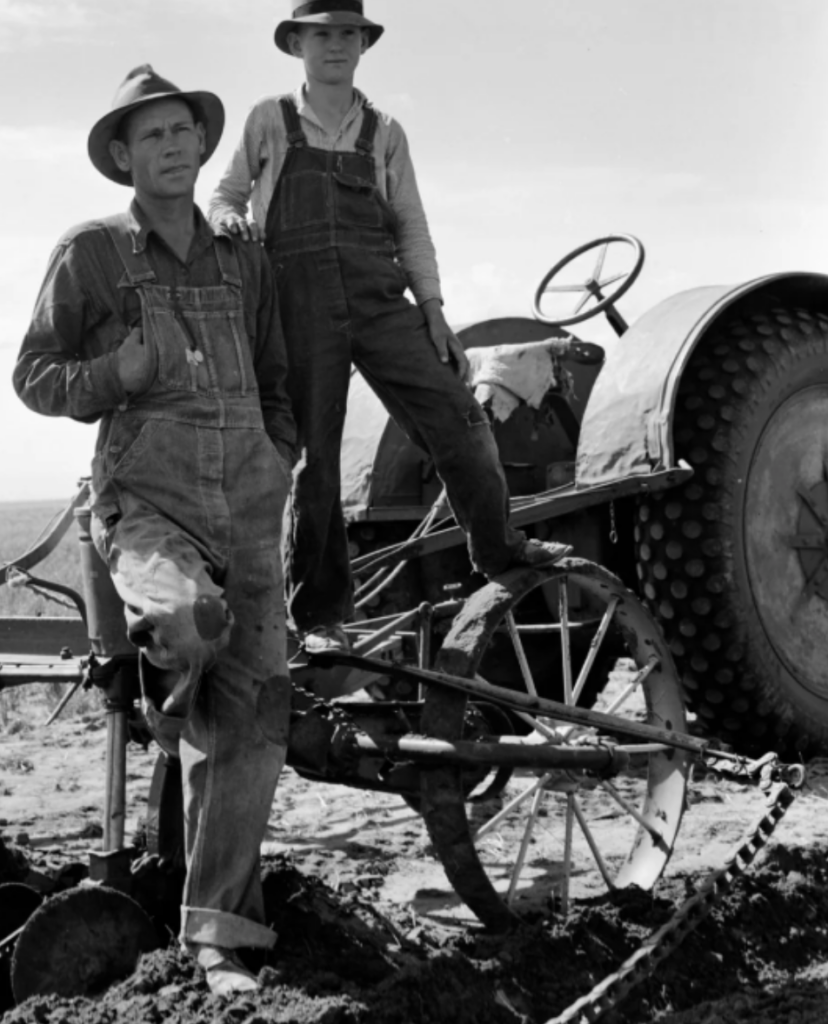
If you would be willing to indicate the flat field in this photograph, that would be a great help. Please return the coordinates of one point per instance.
(21, 525)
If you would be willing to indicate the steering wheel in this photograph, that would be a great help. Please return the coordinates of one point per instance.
(593, 287)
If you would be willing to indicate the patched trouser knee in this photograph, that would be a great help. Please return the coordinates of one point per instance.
(176, 614)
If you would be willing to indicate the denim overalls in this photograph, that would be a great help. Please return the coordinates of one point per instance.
(330, 236)
(187, 497)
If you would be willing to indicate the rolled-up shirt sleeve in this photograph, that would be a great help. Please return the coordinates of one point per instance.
(233, 191)
(270, 360)
(55, 373)
(415, 247)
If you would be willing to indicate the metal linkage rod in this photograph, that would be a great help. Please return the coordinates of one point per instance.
(49, 540)
(525, 702)
(509, 754)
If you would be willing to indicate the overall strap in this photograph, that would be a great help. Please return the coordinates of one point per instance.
(365, 142)
(137, 269)
(295, 136)
(229, 263)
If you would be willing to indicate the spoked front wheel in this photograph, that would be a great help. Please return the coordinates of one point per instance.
(556, 831)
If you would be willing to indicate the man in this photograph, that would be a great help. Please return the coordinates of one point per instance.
(335, 201)
(169, 334)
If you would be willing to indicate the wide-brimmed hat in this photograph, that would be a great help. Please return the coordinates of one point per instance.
(326, 12)
(141, 86)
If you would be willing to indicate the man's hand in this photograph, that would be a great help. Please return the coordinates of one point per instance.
(249, 231)
(134, 362)
(449, 348)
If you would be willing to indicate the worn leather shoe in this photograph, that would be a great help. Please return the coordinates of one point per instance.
(225, 973)
(535, 554)
(326, 640)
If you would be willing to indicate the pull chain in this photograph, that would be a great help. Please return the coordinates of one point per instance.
(613, 533)
(194, 355)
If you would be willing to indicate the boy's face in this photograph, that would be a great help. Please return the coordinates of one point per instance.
(330, 52)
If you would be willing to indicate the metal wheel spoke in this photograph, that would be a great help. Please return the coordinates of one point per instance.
(594, 648)
(807, 541)
(599, 263)
(564, 288)
(524, 845)
(587, 296)
(632, 686)
(816, 512)
(570, 817)
(611, 280)
(525, 671)
(538, 726)
(513, 803)
(563, 609)
(633, 813)
(591, 843)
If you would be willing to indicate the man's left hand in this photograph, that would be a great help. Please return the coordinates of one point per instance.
(449, 348)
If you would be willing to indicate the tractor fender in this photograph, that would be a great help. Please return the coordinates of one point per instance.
(627, 429)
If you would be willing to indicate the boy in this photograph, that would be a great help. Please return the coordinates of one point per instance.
(335, 202)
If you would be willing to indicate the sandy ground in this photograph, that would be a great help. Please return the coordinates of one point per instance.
(761, 956)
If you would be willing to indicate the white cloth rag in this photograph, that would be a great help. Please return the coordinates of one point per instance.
(506, 375)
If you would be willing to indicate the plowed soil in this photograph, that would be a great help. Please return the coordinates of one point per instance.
(369, 930)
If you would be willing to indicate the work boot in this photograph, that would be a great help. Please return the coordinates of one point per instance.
(535, 554)
(326, 640)
(225, 973)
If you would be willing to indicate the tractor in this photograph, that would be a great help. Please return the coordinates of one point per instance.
(687, 465)
(732, 560)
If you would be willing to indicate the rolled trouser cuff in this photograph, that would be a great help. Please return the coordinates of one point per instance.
(218, 928)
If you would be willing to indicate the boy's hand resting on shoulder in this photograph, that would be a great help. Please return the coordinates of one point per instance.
(449, 347)
(247, 230)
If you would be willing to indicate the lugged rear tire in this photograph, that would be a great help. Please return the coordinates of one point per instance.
(717, 558)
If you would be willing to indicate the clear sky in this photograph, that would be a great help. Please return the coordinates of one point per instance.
(698, 125)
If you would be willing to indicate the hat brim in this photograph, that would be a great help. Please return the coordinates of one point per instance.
(209, 111)
(284, 28)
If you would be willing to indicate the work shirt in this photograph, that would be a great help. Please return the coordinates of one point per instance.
(255, 166)
(68, 360)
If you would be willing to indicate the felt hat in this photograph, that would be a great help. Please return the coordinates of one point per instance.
(141, 86)
(326, 12)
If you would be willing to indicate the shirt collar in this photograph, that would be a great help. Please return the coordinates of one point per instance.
(140, 230)
(306, 110)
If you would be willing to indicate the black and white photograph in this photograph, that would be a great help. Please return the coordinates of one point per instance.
(413, 512)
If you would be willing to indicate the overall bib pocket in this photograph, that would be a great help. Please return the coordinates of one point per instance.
(357, 201)
(305, 200)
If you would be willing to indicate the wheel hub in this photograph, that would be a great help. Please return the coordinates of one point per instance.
(811, 538)
(786, 535)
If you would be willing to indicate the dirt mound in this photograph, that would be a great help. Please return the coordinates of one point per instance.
(341, 960)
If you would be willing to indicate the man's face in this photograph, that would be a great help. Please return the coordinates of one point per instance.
(330, 52)
(161, 148)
